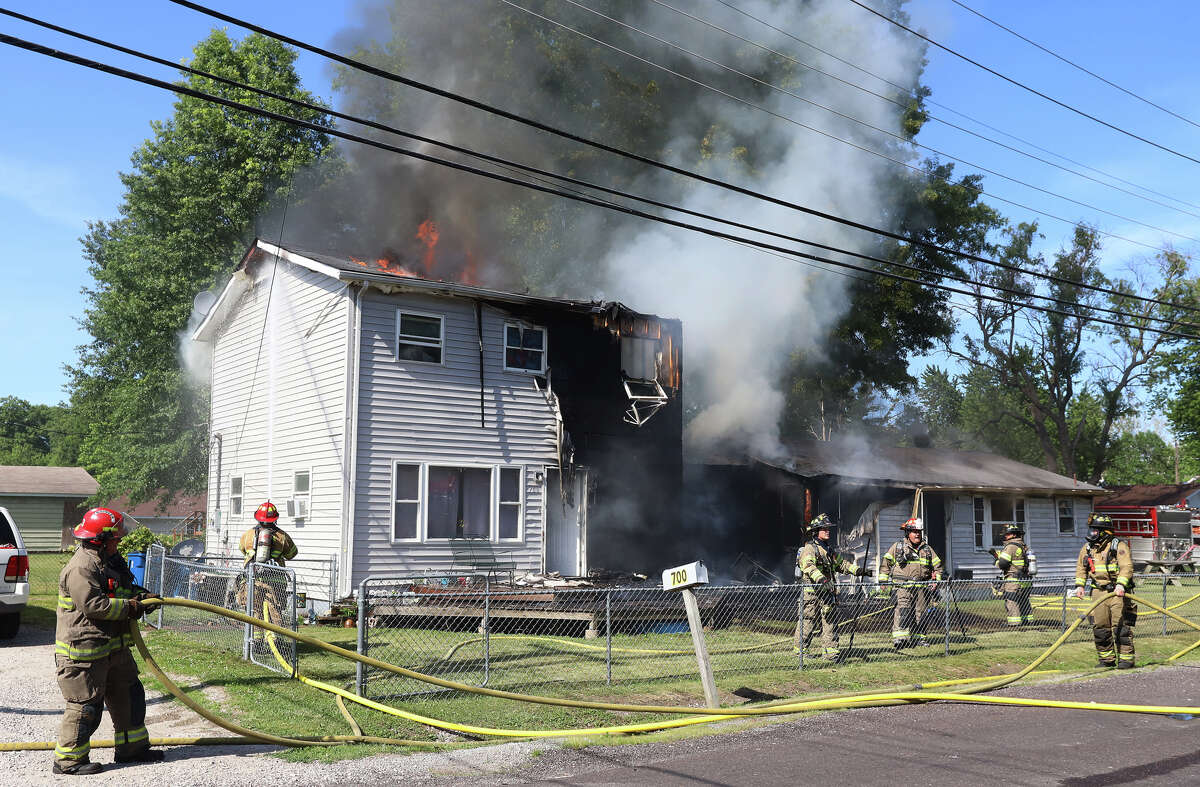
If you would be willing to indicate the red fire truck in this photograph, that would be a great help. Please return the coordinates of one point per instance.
(1157, 533)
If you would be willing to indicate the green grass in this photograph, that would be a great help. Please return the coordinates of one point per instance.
(44, 568)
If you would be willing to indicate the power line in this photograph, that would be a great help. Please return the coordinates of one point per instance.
(836, 138)
(1075, 65)
(1025, 87)
(485, 107)
(547, 176)
(182, 90)
(928, 115)
(935, 103)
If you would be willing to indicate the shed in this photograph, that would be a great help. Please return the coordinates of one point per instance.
(46, 502)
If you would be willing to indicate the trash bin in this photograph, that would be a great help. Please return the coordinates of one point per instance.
(137, 565)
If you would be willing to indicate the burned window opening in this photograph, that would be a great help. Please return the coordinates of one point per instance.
(646, 398)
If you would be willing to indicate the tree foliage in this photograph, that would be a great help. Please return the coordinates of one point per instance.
(37, 434)
(192, 199)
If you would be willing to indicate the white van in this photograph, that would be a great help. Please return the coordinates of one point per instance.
(14, 584)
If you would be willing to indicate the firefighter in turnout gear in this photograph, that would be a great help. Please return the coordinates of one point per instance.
(817, 565)
(266, 543)
(1106, 561)
(1013, 562)
(909, 565)
(97, 602)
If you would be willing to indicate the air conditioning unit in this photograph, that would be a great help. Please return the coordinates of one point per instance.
(297, 507)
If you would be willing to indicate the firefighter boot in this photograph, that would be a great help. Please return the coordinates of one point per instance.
(76, 767)
(145, 755)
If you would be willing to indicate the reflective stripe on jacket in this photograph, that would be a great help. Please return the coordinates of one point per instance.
(93, 607)
(904, 564)
(1013, 560)
(1107, 564)
(818, 563)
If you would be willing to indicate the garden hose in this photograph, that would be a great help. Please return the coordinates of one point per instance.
(873, 698)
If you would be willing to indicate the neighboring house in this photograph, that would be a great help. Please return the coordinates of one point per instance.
(966, 499)
(1178, 495)
(47, 502)
(1161, 521)
(165, 519)
(387, 415)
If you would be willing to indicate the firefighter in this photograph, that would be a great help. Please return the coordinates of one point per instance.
(908, 566)
(1013, 562)
(96, 602)
(1106, 561)
(816, 565)
(266, 543)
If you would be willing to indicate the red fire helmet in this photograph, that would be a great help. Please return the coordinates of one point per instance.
(100, 524)
(267, 513)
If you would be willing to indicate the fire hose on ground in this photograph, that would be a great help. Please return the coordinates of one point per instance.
(912, 694)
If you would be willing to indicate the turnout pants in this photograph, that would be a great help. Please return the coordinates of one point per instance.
(1113, 628)
(817, 609)
(1016, 601)
(87, 686)
(908, 619)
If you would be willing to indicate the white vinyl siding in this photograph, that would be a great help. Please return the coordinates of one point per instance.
(1055, 553)
(429, 415)
(278, 402)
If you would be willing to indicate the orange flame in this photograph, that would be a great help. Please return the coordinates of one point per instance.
(427, 233)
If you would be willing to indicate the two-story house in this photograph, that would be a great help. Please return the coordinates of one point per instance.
(388, 415)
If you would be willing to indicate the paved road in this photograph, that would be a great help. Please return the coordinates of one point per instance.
(926, 745)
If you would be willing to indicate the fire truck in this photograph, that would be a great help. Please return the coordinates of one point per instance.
(1157, 533)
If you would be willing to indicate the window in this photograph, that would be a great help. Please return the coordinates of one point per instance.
(406, 502)
(235, 495)
(298, 505)
(418, 337)
(460, 501)
(524, 348)
(991, 515)
(1066, 517)
(509, 528)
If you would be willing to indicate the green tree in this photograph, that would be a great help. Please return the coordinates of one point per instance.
(1144, 457)
(37, 434)
(192, 199)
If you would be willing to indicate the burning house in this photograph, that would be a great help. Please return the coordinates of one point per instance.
(394, 417)
(965, 500)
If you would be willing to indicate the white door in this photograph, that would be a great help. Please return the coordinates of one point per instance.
(566, 525)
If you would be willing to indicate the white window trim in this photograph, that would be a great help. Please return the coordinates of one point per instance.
(1057, 517)
(520, 503)
(987, 514)
(420, 341)
(307, 495)
(420, 503)
(504, 347)
(241, 498)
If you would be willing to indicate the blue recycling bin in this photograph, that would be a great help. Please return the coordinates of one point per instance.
(137, 566)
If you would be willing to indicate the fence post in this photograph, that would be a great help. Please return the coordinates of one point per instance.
(800, 625)
(487, 628)
(249, 631)
(1065, 593)
(1165, 582)
(294, 625)
(608, 636)
(162, 565)
(947, 595)
(360, 677)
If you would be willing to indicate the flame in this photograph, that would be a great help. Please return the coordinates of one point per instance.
(357, 261)
(469, 273)
(427, 233)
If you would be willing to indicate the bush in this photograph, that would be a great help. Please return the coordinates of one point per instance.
(138, 541)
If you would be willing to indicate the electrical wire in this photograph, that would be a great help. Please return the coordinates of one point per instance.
(485, 107)
(932, 102)
(1074, 65)
(182, 90)
(927, 115)
(894, 135)
(1025, 87)
(548, 175)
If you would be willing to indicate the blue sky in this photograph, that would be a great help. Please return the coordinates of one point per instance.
(68, 132)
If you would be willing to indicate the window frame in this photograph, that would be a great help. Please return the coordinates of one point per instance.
(519, 503)
(1059, 517)
(240, 496)
(420, 501)
(307, 495)
(493, 493)
(988, 523)
(524, 326)
(421, 341)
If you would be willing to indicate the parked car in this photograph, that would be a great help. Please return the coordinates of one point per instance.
(14, 585)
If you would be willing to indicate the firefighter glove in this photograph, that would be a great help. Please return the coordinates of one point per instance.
(1078, 592)
(135, 608)
(1119, 590)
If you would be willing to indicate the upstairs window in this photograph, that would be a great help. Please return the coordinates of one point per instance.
(235, 496)
(419, 337)
(524, 348)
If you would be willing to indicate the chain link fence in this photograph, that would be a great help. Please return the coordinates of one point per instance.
(316, 578)
(557, 640)
(256, 590)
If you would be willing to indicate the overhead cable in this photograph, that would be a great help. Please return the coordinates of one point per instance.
(182, 90)
(1025, 87)
(1074, 65)
(834, 137)
(485, 107)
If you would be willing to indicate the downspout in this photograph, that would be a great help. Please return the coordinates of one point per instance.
(217, 500)
(350, 439)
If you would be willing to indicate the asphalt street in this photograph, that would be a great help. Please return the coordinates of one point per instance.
(939, 744)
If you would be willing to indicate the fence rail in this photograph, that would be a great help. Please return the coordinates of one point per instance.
(468, 629)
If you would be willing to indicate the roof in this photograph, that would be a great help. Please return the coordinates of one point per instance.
(180, 506)
(1149, 495)
(895, 466)
(46, 481)
(386, 275)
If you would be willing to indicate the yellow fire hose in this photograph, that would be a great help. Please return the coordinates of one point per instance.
(912, 694)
